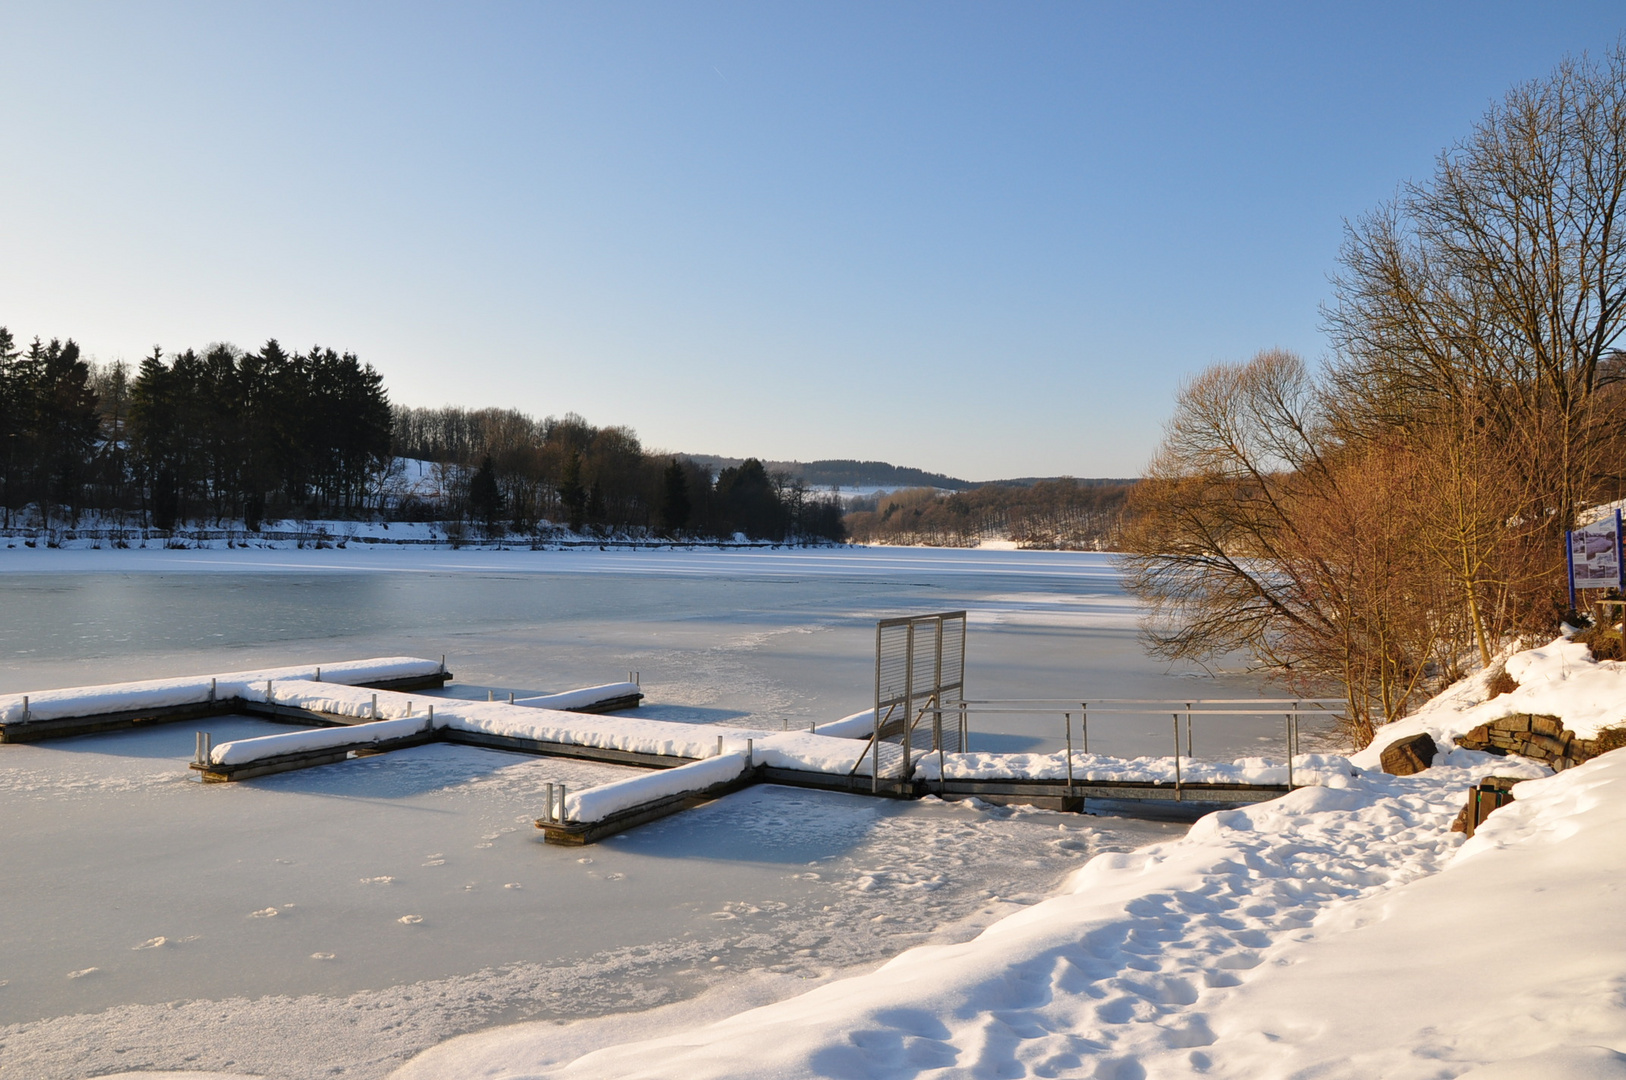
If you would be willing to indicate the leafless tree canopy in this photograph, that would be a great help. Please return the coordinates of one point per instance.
(1375, 527)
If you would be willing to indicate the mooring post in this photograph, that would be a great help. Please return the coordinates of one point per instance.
(25, 708)
(268, 698)
(1084, 725)
(1178, 795)
(719, 746)
(637, 678)
(547, 813)
(199, 758)
(561, 802)
(1067, 718)
(409, 706)
(431, 715)
(510, 697)
(1188, 730)
(211, 691)
(443, 663)
(750, 753)
(375, 706)
(491, 695)
(318, 675)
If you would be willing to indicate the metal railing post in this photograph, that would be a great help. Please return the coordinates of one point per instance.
(1067, 719)
(1288, 720)
(1179, 795)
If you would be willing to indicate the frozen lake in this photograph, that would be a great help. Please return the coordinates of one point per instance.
(345, 917)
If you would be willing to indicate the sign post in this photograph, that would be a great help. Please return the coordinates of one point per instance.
(1594, 556)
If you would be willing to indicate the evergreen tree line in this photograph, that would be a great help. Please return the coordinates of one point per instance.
(1379, 525)
(222, 435)
(1064, 514)
(225, 435)
(505, 471)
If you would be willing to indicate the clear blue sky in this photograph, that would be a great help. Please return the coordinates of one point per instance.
(984, 239)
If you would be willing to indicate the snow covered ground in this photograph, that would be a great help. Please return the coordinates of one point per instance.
(1340, 931)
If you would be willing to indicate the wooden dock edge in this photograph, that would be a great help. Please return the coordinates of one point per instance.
(96, 723)
(304, 759)
(581, 833)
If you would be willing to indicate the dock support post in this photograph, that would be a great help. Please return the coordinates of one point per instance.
(1179, 795)
(510, 697)
(375, 706)
(318, 675)
(547, 811)
(211, 691)
(750, 753)
(719, 746)
(443, 663)
(268, 698)
(25, 708)
(561, 816)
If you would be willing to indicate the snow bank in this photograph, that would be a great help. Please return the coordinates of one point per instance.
(1557, 679)
(242, 751)
(596, 804)
(583, 698)
(193, 690)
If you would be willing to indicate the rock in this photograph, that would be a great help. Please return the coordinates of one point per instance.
(1409, 756)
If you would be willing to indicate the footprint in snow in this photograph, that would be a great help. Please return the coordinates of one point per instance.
(384, 880)
(82, 973)
(410, 920)
(321, 956)
(263, 913)
(151, 943)
(436, 862)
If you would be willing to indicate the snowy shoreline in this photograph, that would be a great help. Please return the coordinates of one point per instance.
(1339, 931)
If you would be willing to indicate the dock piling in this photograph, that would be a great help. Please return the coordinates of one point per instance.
(561, 816)
(547, 813)
(268, 698)
(25, 708)
(212, 691)
(318, 675)
(375, 706)
(750, 753)
(510, 697)
(719, 746)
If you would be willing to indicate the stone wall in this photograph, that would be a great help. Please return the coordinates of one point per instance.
(1540, 738)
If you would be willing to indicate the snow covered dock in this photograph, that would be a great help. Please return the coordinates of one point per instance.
(364, 707)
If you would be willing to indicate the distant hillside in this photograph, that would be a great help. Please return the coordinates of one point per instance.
(845, 473)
